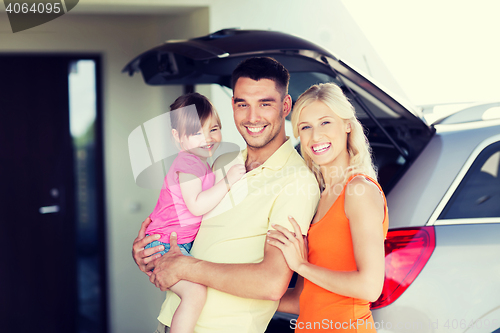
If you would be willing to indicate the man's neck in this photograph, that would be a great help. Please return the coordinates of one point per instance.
(258, 156)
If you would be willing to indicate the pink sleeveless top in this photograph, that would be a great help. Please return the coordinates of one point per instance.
(171, 213)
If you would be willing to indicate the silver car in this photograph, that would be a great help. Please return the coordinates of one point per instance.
(442, 180)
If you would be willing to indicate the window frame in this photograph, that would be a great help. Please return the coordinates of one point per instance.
(434, 219)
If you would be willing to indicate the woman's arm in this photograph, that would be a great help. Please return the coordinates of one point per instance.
(200, 202)
(290, 301)
(364, 207)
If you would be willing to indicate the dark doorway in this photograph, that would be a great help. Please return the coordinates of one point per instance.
(41, 278)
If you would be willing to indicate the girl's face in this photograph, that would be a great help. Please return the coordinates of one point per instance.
(323, 134)
(203, 143)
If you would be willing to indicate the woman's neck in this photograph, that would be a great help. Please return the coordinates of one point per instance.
(334, 172)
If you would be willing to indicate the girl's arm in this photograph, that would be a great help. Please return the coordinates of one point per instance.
(364, 207)
(290, 301)
(201, 202)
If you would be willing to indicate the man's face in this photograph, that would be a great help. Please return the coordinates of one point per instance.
(259, 111)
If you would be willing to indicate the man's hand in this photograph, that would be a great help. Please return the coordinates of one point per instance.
(169, 268)
(145, 258)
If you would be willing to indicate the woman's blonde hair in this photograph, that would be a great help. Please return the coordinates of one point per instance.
(360, 161)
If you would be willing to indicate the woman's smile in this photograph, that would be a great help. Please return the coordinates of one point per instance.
(320, 148)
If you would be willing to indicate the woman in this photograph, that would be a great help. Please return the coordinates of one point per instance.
(343, 269)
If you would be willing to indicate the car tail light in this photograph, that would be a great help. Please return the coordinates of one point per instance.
(406, 253)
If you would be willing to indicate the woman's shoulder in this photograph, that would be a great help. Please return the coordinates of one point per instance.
(363, 180)
(362, 189)
(365, 201)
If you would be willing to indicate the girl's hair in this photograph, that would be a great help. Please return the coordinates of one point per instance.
(188, 121)
(359, 150)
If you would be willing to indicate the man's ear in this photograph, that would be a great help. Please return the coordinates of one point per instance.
(287, 105)
(175, 134)
(232, 102)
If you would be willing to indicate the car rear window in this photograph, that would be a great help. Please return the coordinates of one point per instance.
(478, 195)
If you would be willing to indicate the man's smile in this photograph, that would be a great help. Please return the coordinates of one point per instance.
(255, 129)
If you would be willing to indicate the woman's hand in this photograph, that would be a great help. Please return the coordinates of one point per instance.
(292, 245)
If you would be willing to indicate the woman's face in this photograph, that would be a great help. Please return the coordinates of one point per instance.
(323, 134)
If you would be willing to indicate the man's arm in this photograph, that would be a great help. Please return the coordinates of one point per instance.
(265, 280)
(290, 301)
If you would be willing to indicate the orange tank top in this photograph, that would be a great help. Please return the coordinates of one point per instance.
(330, 246)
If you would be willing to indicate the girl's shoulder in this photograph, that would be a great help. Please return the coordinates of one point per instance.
(185, 157)
(189, 163)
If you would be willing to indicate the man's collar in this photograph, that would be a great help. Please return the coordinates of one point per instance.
(278, 159)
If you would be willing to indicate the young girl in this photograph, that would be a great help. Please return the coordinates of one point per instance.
(188, 192)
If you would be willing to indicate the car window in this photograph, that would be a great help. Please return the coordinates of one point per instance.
(478, 195)
(301, 81)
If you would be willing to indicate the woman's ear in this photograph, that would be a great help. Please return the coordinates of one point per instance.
(348, 127)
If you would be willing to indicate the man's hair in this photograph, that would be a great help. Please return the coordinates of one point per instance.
(258, 68)
(188, 121)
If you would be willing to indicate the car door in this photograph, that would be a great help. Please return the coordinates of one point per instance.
(465, 263)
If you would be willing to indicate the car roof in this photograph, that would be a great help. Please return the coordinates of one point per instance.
(478, 112)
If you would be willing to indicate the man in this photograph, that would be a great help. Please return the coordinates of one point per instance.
(245, 276)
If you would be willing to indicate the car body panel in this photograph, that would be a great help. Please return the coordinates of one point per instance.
(460, 283)
(430, 176)
(479, 112)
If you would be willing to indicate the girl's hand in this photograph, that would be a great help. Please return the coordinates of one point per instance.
(235, 173)
(292, 245)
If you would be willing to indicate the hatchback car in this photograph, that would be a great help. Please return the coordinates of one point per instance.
(442, 181)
